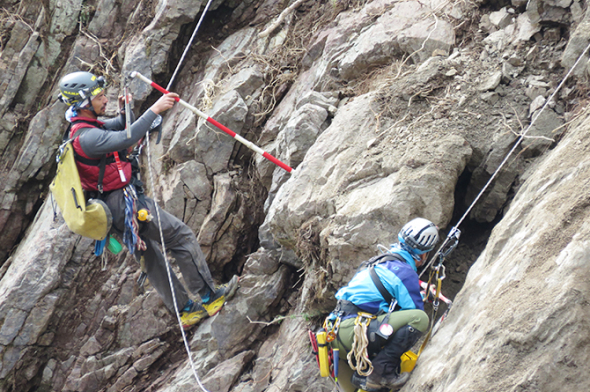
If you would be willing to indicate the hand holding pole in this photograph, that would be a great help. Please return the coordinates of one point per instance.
(210, 120)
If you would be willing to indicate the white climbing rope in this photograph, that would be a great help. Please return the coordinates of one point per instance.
(516, 144)
(362, 364)
(186, 345)
(149, 163)
(522, 136)
(188, 46)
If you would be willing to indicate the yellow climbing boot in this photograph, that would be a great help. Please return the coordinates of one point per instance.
(222, 294)
(192, 314)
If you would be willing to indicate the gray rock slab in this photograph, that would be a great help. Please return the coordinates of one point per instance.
(145, 319)
(492, 320)
(222, 202)
(222, 377)
(21, 47)
(300, 132)
(205, 142)
(187, 192)
(546, 129)
(361, 202)
(404, 28)
(490, 82)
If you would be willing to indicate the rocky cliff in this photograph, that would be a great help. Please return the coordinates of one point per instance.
(386, 110)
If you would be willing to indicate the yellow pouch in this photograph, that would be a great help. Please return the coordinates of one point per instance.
(408, 361)
(92, 219)
(323, 353)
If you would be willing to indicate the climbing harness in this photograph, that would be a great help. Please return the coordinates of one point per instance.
(210, 120)
(430, 292)
(363, 343)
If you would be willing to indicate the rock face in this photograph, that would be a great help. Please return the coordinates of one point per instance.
(534, 256)
(354, 197)
(386, 110)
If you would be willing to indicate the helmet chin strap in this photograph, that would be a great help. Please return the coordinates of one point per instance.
(88, 106)
(405, 247)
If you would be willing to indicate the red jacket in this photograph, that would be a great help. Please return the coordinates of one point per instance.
(89, 168)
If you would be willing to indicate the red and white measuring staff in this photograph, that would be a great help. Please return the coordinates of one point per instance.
(120, 167)
(128, 126)
(433, 292)
(225, 129)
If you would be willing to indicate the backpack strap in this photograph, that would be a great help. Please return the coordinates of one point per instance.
(377, 282)
(66, 137)
(382, 258)
(371, 263)
(101, 169)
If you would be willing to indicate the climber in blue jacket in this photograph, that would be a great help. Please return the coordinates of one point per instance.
(399, 278)
(388, 287)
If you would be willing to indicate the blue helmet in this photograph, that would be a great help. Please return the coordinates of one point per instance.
(418, 236)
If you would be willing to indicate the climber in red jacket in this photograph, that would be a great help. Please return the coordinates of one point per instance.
(102, 156)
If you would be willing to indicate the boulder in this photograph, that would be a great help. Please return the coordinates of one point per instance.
(501, 18)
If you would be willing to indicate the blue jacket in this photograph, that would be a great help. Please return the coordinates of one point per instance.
(399, 278)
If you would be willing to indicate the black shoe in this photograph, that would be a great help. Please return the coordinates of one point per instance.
(361, 383)
(393, 381)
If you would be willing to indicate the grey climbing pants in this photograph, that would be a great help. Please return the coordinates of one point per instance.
(180, 241)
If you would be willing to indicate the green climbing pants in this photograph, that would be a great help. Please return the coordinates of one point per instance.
(414, 317)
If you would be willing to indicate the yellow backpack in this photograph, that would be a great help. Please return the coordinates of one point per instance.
(90, 219)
